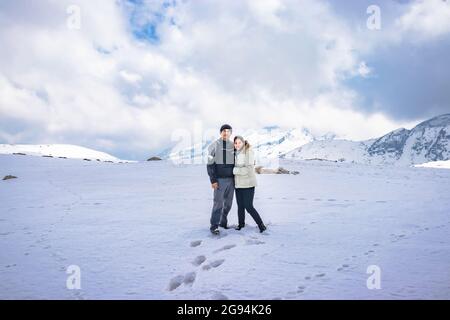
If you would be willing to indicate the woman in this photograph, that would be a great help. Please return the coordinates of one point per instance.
(245, 182)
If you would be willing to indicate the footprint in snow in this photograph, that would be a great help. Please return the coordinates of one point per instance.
(227, 247)
(198, 260)
(301, 289)
(320, 275)
(343, 267)
(396, 238)
(187, 279)
(213, 264)
(219, 296)
(291, 294)
(196, 243)
(254, 242)
(175, 282)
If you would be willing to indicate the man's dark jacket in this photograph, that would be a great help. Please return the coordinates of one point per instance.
(220, 160)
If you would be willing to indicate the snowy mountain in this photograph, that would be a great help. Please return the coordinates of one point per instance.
(57, 151)
(268, 143)
(428, 141)
(333, 150)
(274, 142)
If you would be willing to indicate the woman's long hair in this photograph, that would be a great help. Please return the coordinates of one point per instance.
(246, 144)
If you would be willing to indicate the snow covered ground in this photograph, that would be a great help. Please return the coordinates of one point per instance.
(136, 230)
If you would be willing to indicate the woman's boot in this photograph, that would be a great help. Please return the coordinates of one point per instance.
(262, 228)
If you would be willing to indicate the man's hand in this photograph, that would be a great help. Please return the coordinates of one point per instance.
(215, 185)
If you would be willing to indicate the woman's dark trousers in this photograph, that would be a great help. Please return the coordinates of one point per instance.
(244, 198)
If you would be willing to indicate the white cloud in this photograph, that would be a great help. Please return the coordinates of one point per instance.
(426, 19)
(250, 63)
(130, 77)
(268, 12)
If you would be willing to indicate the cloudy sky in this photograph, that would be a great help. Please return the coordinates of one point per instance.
(124, 76)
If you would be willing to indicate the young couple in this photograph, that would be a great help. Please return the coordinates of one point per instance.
(231, 166)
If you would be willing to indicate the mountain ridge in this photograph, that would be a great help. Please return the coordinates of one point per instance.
(427, 141)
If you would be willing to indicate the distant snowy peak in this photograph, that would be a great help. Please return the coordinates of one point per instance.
(428, 141)
(439, 121)
(57, 150)
(334, 150)
(268, 142)
(274, 142)
(391, 143)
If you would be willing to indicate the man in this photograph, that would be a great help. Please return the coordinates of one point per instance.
(220, 170)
